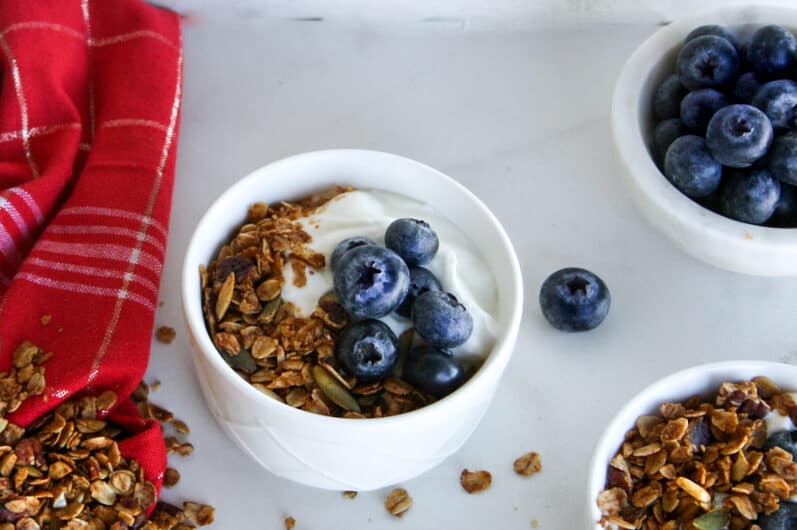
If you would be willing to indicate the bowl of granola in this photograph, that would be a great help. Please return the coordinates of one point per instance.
(710, 447)
(351, 314)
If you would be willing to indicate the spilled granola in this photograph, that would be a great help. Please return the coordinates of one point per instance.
(66, 469)
(702, 463)
(281, 353)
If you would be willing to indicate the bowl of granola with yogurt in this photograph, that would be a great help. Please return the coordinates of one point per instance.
(709, 448)
(351, 313)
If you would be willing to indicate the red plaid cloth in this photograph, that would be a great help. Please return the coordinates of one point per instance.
(88, 134)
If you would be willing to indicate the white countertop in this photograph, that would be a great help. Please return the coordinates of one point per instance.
(522, 119)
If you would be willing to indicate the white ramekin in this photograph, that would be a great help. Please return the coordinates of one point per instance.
(699, 380)
(706, 235)
(335, 453)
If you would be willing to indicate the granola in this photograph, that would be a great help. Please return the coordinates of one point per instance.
(475, 481)
(284, 355)
(701, 463)
(398, 501)
(165, 334)
(528, 464)
(66, 469)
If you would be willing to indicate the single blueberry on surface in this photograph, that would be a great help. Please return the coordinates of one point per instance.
(667, 98)
(421, 280)
(434, 371)
(441, 319)
(772, 50)
(785, 215)
(782, 159)
(786, 440)
(574, 299)
(785, 518)
(778, 100)
(367, 349)
(749, 195)
(412, 239)
(371, 281)
(664, 134)
(689, 165)
(746, 86)
(712, 29)
(699, 106)
(738, 135)
(345, 246)
(706, 62)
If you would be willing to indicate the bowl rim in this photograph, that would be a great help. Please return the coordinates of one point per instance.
(496, 359)
(642, 171)
(660, 389)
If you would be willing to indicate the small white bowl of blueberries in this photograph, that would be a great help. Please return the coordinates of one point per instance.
(705, 121)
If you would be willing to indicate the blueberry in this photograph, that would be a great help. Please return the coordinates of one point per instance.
(664, 134)
(412, 239)
(771, 51)
(691, 168)
(749, 195)
(421, 280)
(783, 158)
(778, 100)
(433, 370)
(712, 29)
(746, 86)
(371, 281)
(785, 518)
(345, 246)
(738, 135)
(785, 215)
(667, 99)
(699, 106)
(367, 349)
(786, 440)
(439, 318)
(574, 299)
(707, 61)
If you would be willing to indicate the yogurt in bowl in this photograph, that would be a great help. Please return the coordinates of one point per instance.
(338, 453)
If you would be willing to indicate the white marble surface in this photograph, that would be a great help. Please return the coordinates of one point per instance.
(521, 118)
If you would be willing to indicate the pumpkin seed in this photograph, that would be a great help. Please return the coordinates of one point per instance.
(243, 361)
(269, 310)
(715, 520)
(225, 296)
(332, 389)
(269, 289)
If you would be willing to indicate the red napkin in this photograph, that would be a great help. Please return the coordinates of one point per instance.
(89, 110)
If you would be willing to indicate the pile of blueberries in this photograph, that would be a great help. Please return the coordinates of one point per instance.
(727, 130)
(372, 281)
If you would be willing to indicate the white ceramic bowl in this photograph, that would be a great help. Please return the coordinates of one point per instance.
(336, 453)
(703, 379)
(706, 235)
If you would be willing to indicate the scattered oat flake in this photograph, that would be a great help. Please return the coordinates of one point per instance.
(534, 523)
(180, 426)
(155, 384)
(398, 502)
(45, 319)
(290, 522)
(475, 481)
(171, 477)
(349, 494)
(528, 464)
(165, 334)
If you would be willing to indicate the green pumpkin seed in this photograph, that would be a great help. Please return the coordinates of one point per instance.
(242, 362)
(716, 520)
(269, 310)
(332, 389)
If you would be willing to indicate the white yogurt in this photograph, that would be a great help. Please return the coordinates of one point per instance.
(777, 423)
(457, 265)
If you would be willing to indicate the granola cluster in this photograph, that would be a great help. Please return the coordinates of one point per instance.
(285, 355)
(66, 469)
(702, 464)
